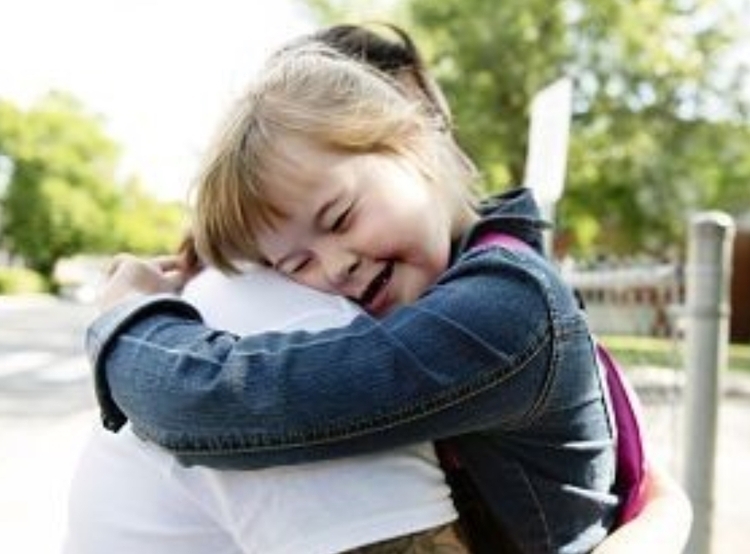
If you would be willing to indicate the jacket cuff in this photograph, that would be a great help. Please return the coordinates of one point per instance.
(103, 332)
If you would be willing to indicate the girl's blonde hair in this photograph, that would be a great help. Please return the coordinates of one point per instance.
(316, 93)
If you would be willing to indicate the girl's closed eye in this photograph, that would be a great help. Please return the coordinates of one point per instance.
(293, 266)
(342, 221)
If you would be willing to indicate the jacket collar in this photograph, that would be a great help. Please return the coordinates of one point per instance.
(514, 212)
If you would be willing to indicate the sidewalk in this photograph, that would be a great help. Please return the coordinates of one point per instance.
(46, 410)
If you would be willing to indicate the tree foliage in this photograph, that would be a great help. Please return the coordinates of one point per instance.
(61, 196)
(143, 226)
(659, 117)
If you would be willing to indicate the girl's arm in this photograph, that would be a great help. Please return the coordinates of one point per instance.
(427, 372)
(662, 527)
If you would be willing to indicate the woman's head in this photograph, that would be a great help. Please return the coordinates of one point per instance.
(395, 55)
(319, 139)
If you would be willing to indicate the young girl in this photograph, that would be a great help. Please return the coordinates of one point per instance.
(334, 176)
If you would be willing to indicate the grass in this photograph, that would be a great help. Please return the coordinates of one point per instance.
(666, 352)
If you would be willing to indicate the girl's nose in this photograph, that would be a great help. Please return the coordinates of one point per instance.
(339, 265)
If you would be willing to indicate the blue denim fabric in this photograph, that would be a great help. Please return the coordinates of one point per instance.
(495, 356)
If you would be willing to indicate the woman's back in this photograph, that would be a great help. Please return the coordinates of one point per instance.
(320, 507)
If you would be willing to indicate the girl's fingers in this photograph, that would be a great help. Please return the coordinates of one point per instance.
(116, 262)
(168, 263)
(129, 275)
(173, 271)
(175, 279)
(161, 263)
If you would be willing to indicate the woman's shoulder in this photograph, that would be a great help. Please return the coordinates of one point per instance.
(260, 299)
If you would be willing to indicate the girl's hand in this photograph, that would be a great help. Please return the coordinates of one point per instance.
(129, 276)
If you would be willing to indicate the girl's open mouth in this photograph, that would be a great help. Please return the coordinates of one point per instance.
(367, 300)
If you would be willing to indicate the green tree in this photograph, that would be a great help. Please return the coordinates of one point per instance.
(655, 102)
(61, 195)
(61, 187)
(146, 226)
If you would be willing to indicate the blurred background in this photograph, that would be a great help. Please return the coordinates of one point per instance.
(106, 107)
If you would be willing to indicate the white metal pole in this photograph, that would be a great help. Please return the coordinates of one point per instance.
(707, 277)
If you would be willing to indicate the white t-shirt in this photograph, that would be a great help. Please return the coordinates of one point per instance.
(130, 496)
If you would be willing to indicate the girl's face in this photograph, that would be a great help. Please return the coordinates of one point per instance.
(366, 226)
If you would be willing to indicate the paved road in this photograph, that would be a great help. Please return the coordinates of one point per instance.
(47, 409)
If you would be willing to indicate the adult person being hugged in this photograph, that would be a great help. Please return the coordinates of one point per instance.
(332, 175)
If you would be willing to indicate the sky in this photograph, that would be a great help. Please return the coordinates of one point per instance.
(160, 73)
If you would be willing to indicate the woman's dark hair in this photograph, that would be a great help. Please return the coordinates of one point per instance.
(361, 43)
(389, 55)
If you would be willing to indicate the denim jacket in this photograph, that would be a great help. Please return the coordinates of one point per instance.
(496, 356)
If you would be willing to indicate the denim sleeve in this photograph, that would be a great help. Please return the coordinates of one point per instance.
(463, 358)
(103, 332)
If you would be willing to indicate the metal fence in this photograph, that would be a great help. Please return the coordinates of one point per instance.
(637, 300)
